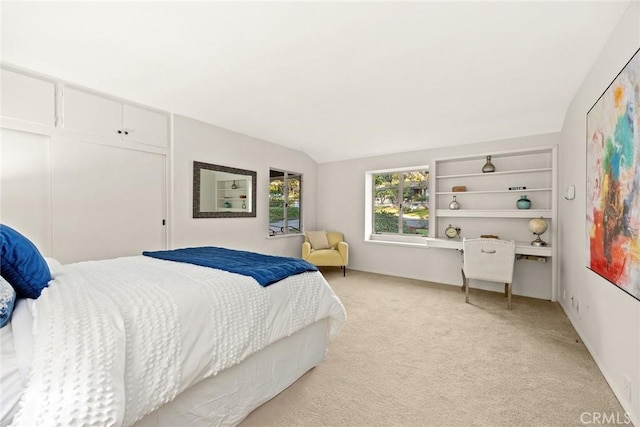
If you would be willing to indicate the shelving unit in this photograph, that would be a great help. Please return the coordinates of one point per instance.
(226, 193)
(489, 207)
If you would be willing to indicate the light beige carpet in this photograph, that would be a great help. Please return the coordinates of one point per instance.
(413, 353)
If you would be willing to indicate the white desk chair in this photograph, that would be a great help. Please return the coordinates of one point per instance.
(488, 259)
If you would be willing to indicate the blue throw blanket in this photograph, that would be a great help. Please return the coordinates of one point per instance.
(266, 269)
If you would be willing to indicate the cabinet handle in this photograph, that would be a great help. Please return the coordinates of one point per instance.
(126, 132)
(119, 131)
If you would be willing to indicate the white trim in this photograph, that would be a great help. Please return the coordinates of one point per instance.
(402, 169)
(506, 153)
(411, 239)
(65, 83)
(280, 236)
(369, 205)
(56, 132)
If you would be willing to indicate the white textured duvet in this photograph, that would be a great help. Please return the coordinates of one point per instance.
(116, 339)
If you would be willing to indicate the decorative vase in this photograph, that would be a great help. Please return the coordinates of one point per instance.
(454, 205)
(244, 205)
(523, 203)
(234, 185)
(227, 204)
(488, 167)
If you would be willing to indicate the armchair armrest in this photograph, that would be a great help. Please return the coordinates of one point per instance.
(343, 248)
(306, 250)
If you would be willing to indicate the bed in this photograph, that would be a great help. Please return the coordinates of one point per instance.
(151, 342)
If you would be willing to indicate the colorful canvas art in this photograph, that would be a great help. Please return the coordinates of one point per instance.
(613, 181)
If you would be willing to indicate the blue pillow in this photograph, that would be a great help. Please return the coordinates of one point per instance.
(21, 264)
(7, 299)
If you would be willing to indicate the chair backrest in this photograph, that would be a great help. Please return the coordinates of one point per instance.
(489, 259)
(333, 237)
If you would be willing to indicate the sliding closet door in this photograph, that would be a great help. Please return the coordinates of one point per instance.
(107, 201)
(25, 185)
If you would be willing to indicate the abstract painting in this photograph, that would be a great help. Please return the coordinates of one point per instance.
(613, 181)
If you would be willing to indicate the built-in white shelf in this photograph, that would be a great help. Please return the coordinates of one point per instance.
(528, 190)
(511, 172)
(494, 213)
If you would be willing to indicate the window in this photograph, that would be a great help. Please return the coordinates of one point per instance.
(285, 202)
(399, 201)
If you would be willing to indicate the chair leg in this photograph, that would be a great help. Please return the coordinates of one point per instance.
(506, 289)
(466, 290)
(344, 271)
(464, 280)
(508, 285)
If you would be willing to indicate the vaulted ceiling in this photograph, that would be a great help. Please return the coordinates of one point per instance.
(336, 80)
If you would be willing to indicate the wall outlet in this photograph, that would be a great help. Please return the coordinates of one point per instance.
(627, 387)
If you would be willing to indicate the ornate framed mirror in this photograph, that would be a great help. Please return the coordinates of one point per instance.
(223, 192)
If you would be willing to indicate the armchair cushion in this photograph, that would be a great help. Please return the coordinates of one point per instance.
(318, 240)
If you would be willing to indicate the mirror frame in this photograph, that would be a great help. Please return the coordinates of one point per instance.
(197, 213)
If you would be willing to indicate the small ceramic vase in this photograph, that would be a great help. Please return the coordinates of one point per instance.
(523, 203)
(454, 205)
(488, 167)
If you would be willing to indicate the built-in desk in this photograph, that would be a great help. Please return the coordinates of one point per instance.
(522, 248)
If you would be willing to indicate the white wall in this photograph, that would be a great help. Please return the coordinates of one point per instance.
(194, 140)
(25, 186)
(608, 320)
(341, 207)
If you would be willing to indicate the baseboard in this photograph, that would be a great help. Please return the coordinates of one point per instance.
(607, 376)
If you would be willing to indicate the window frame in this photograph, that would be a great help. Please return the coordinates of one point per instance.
(286, 229)
(393, 238)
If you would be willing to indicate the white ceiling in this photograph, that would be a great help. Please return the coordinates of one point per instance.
(336, 80)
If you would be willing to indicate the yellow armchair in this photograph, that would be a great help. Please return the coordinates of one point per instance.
(326, 249)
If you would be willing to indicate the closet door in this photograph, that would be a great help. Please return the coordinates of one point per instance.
(107, 201)
(25, 177)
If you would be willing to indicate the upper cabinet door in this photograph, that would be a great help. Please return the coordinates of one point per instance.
(27, 98)
(144, 126)
(91, 113)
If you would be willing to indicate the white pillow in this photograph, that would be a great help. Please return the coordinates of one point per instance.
(318, 240)
(55, 268)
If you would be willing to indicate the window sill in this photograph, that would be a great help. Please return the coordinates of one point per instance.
(393, 240)
(284, 236)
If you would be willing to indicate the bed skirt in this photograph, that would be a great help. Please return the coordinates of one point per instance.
(227, 398)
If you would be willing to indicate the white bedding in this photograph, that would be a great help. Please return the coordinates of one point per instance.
(16, 342)
(116, 339)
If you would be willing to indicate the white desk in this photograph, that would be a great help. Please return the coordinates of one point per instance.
(522, 248)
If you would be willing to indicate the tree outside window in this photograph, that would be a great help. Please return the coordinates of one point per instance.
(401, 202)
(285, 202)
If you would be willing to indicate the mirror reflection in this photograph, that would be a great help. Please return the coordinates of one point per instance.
(223, 192)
